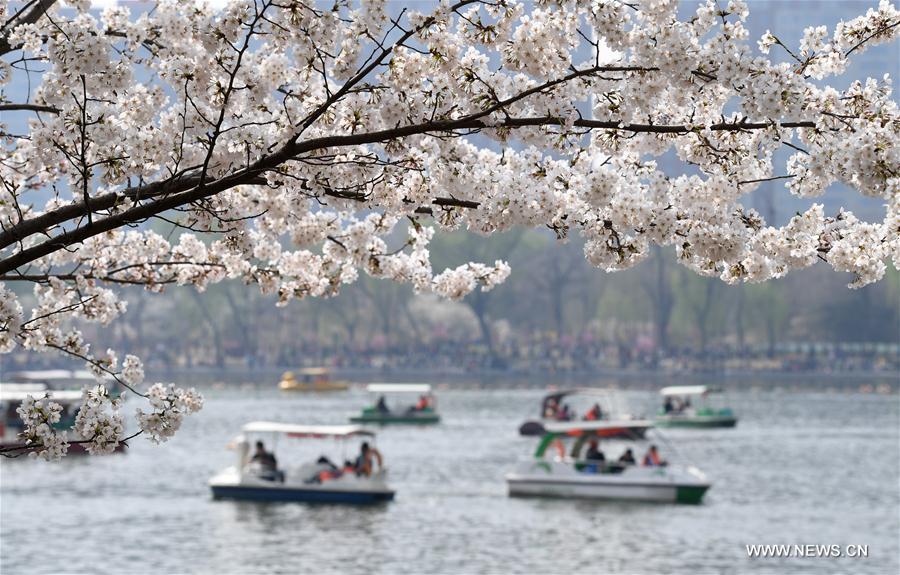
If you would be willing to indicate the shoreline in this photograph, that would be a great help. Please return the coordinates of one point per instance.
(629, 379)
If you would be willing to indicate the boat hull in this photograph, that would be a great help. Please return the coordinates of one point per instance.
(567, 478)
(428, 419)
(313, 388)
(524, 487)
(697, 421)
(348, 489)
(256, 493)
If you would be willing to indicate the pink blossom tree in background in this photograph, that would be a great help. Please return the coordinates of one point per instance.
(291, 145)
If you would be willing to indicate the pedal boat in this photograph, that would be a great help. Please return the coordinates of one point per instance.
(412, 414)
(312, 379)
(248, 482)
(611, 411)
(704, 415)
(11, 397)
(568, 476)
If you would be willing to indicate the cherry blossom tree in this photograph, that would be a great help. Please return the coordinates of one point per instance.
(288, 143)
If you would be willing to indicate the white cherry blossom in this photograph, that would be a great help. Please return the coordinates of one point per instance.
(295, 146)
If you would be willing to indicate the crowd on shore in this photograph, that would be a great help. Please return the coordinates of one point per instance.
(534, 356)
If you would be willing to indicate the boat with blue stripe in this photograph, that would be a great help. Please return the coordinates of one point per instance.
(258, 478)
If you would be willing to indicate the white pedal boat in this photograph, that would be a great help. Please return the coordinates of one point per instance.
(310, 482)
(566, 475)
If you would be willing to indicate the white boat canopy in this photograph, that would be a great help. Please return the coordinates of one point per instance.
(687, 390)
(66, 396)
(293, 430)
(589, 427)
(593, 391)
(398, 388)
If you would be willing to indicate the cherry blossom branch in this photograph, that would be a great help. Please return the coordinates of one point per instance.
(186, 189)
(13, 451)
(36, 9)
(28, 108)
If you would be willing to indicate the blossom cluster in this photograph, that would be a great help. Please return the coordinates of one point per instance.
(170, 404)
(296, 146)
(98, 422)
(38, 434)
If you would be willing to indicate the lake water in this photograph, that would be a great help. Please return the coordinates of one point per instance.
(800, 468)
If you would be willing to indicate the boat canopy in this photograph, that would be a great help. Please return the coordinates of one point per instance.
(65, 396)
(311, 371)
(579, 428)
(559, 394)
(313, 431)
(688, 390)
(398, 388)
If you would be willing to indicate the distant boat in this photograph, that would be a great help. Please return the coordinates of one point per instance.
(422, 411)
(316, 481)
(572, 476)
(551, 411)
(313, 379)
(679, 409)
(13, 394)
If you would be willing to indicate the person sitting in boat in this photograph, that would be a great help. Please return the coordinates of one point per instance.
(323, 460)
(668, 406)
(594, 413)
(627, 457)
(652, 459)
(266, 462)
(364, 460)
(420, 405)
(564, 414)
(325, 471)
(593, 452)
(381, 406)
(594, 457)
(551, 409)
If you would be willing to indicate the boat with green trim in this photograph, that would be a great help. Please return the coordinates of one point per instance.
(319, 481)
(569, 475)
(679, 411)
(424, 411)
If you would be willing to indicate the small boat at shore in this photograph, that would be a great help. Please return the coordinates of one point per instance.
(606, 407)
(317, 481)
(679, 410)
(311, 379)
(423, 411)
(569, 475)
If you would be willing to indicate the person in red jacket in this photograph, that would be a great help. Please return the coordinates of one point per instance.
(652, 459)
